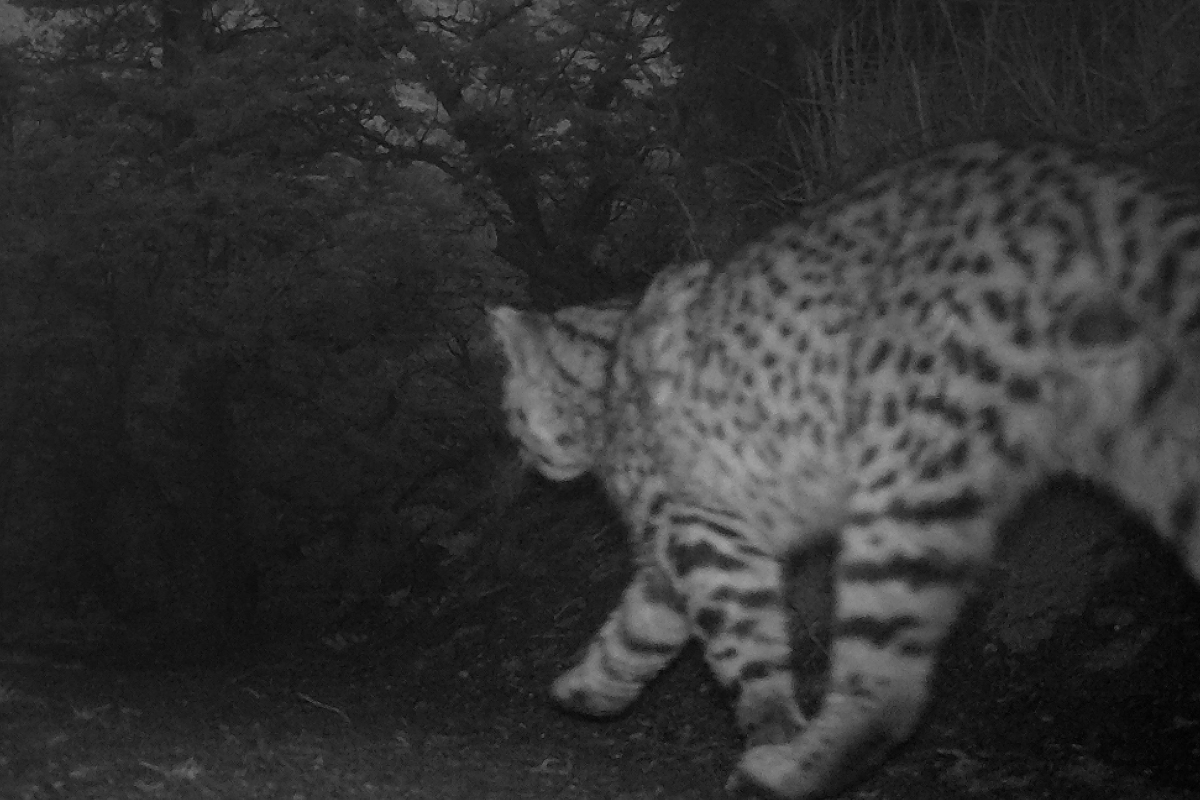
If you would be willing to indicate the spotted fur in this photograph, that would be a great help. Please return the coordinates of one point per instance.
(897, 368)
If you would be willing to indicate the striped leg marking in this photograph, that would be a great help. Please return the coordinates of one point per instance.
(900, 585)
(641, 636)
(735, 600)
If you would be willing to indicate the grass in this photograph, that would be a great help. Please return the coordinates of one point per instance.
(892, 78)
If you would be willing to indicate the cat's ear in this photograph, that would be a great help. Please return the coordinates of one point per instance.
(516, 332)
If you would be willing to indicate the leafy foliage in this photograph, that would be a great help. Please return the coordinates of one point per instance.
(247, 248)
(244, 248)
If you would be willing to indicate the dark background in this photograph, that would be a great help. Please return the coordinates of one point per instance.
(246, 391)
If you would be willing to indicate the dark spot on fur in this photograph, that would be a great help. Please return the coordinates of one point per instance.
(883, 481)
(664, 649)
(956, 456)
(1131, 250)
(725, 653)
(965, 505)
(911, 649)
(875, 631)
(930, 568)
(972, 226)
(710, 620)
(1126, 209)
(1106, 443)
(687, 558)
(660, 591)
(957, 354)
(994, 304)
(1168, 276)
(1160, 384)
(868, 455)
(853, 685)
(776, 284)
(757, 670)
(1183, 513)
(984, 367)
(931, 470)
(1022, 389)
(1008, 209)
(749, 598)
(743, 628)
(941, 406)
(891, 411)
(1106, 323)
(1191, 322)
(883, 349)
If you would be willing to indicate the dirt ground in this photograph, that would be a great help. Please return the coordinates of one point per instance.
(445, 699)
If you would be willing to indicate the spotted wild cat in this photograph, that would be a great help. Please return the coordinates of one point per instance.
(896, 368)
